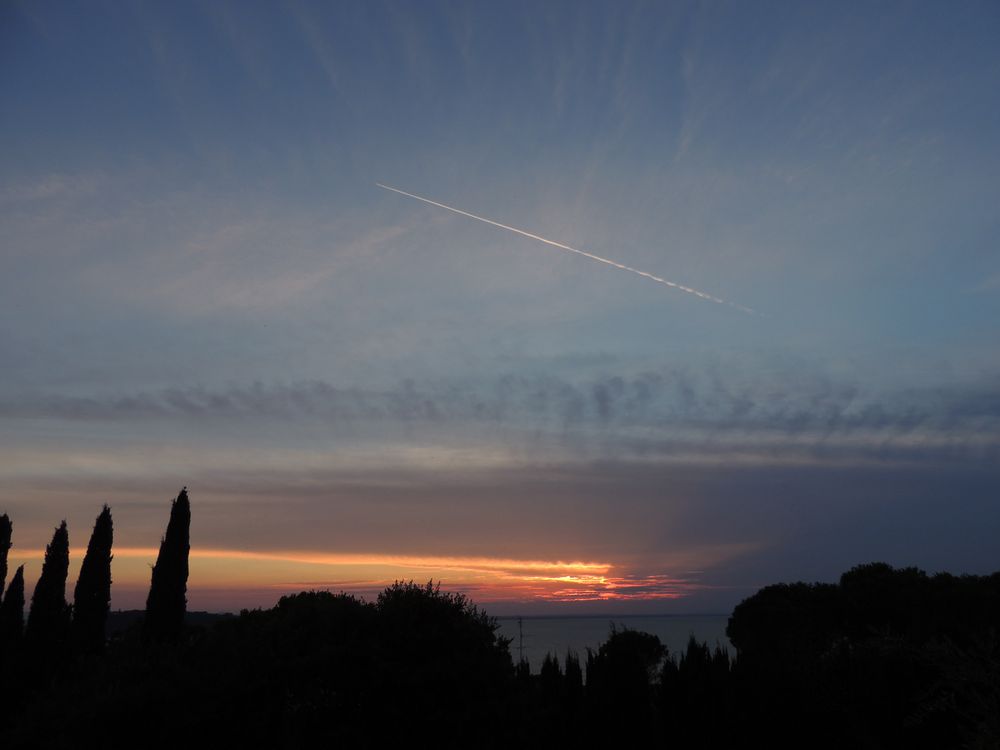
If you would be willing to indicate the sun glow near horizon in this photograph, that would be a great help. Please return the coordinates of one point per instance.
(249, 575)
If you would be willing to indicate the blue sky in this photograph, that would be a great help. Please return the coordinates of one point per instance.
(200, 283)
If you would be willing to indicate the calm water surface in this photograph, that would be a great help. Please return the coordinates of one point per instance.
(543, 635)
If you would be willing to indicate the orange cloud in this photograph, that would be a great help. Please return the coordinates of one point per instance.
(486, 579)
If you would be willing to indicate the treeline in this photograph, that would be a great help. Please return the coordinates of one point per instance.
(57, 630)
(885, 658)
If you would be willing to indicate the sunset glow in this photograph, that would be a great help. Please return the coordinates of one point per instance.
(588, 308)
(489, 579)
(501, 374)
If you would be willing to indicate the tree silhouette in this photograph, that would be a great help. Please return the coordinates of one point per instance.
(620, 678)
(550, 679)
(523, 671)
(551, 672)
(440, 660)
(12, 614)
(574, 679)
(6, 528)
(167, 599)
(49, 617)
(92, 596)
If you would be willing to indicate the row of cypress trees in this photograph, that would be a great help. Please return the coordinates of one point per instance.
(52, 622)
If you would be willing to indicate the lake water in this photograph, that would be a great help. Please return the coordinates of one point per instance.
(555, 635)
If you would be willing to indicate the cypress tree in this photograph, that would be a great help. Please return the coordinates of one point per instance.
(12, 614)
(6, 529)
(92, 596)
(48, 619)
(167, 600)
(574, 678)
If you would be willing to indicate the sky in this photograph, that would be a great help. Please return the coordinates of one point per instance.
(202, 285)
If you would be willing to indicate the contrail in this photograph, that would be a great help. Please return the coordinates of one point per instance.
(561, 246)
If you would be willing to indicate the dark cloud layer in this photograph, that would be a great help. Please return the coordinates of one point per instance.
(652, 412)
(644, 399)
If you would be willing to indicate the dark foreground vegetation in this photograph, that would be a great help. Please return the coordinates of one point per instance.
(886, 658)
